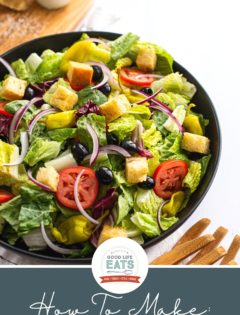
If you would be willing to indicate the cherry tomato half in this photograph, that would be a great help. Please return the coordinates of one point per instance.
(87, 189)
(5, 196)
(133, 76)
(2, 111)
(168, 177)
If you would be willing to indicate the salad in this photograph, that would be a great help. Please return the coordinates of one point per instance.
(97, 141)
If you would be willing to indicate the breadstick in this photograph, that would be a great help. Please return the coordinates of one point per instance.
(211, 257)
(195, 231)
(232, 251)
(219, 234)
(182, 251)
(232, 263)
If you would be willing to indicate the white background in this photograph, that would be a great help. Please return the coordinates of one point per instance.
(202, 35)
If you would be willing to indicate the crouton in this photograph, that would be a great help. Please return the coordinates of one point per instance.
(115, 107)
(49, 177)
(63, 98)
(109, 232)
(79, 73)
(146, 59)
(13, 88)
(195, 143)
(136, 169)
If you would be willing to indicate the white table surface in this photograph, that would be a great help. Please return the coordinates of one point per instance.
(204, 37)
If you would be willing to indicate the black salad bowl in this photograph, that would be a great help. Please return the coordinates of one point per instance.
(204, 105)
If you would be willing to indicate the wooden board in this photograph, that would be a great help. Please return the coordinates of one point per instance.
(19, 27)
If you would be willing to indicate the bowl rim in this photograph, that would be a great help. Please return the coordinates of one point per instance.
(151, 242)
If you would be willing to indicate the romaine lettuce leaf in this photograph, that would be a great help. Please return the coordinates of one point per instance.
(42, 150)
(140, 112)
(20, 69)
(121, 46)
(180, 113)
(122, 126)
(62, 135)
(160, 118)
(146, 223)
(166, 223)
(204, 161)
(125, 202)
(10, 210)
(130, 227)
(99, 125)
(88, 94)
(153, 162)
(193, 177)
(147, 201)
(151, 136)
(176, 83)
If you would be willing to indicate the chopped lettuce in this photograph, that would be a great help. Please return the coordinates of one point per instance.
(166, 223)
(140, 112)
(179, 112)
(33, 62)
(193, 177)
(204, 161)
(151, 136)
(125, 202)
(8, 153)
(147, 201)
(160, 118)
(10, 210)
(99, 125)
(88, 94)
(20, 69)
(146, 223)
(153, 162)
(122, 126)
(121, 46)
(123, 62)
(176, 83)
(130, 227)
(42, 150)
(13, 106)
(62, 134)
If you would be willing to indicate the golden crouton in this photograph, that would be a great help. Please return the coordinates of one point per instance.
(63, 98)
(136, 169)
(13, 88)
(115, 107)
(109, 232)
(49, 177)
(79, 73)
(195, 143)
(146, 59)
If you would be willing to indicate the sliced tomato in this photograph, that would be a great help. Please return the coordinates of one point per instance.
(168, 177)
(87, 189)
(2, 111)
(133, 76)
(5, 196)
(76, 87)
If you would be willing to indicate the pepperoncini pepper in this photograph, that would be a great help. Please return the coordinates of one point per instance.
(73, 230)
(175, 203)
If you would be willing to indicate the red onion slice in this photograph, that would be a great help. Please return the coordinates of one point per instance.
(13, 123)
(95, 140)
(162, 109)
(36, 182)
(104, 68)
(24, 150)
(38, 117)
(115, 148)
(79, 205)
(148, 98)
(103, 82)
(24, 109)
(137, 134)
(54, 247)
(8, 67)
(149, 75)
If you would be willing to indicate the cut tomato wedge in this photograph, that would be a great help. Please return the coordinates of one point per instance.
(2, 111)
(168, 177)
(87, 188)
(5, 196)
(133, 76)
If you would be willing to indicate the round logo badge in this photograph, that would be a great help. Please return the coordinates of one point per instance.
(120, 265)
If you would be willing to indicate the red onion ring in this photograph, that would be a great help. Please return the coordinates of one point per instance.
(24, 150)
(137, 135)
(104, 68)
(39, 116)
(54, 247)
(79, 205)
(95, 140)
(115, 148)
(12, 125)
(151, 98)
(104, 81)
(8, 67)
(23, 111)
(36, 182)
